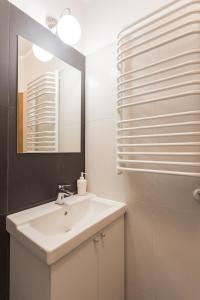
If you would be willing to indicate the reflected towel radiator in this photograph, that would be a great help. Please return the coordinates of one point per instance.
(158, 92)
(42, 113)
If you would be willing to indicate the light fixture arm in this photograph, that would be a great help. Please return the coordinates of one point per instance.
(66, 11)
(52, 22)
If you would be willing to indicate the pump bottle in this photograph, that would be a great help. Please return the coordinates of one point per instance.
(82, 185)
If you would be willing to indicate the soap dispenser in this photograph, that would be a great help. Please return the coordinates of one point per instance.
(82, 185)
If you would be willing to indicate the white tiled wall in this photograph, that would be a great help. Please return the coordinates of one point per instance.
(163, 220)
(100, 124)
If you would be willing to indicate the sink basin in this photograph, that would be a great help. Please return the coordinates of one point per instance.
(71, 216)
(51, 231)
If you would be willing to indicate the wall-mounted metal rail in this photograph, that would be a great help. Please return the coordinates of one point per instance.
(158, 92)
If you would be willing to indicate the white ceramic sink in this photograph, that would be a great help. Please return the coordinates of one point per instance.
(51, 231)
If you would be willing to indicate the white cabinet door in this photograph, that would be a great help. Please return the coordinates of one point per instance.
(111, 262)
(75, 276)
(93, 271)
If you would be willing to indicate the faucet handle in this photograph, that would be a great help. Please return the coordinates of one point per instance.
(62, 187)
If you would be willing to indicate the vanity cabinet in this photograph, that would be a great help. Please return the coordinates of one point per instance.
(75, 276)
(111, 262)
(92, 271)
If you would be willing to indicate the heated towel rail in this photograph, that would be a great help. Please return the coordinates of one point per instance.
(42, 113)
(158, 93)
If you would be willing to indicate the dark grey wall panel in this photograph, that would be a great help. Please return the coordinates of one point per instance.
(4, 57)
(27, 180)
(32, 178)
(3, 153)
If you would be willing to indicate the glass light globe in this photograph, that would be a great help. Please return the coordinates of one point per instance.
(69, 29)
(41, 54)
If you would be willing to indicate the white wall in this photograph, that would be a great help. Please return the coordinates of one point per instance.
(105, 18)
(163, 220)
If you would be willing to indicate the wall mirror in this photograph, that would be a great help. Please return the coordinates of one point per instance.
(49, 102)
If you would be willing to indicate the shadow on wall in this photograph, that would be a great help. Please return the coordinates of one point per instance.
(162, 237)
(163, 220)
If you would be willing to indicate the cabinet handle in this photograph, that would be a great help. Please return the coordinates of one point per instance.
(95, 240)
(103, 235)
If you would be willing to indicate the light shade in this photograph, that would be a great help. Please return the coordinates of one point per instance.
(69, 29)
(41, 54)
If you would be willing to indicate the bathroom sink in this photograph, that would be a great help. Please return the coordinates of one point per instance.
(69, 216)
(51, 231)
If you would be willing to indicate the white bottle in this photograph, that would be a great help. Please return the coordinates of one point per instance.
(82, 185)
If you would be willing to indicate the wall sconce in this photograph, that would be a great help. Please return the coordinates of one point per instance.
(67, 27)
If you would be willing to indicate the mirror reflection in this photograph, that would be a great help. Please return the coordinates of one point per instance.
(49, 102)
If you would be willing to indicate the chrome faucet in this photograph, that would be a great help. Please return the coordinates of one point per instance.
(62, 193)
